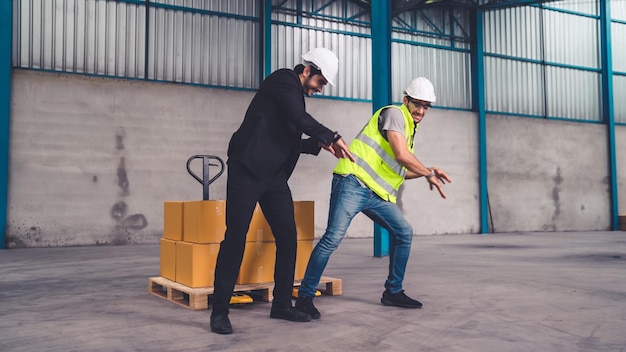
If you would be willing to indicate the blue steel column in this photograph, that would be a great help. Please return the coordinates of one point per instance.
(6, 31)
(607, 104)
(266, 50)
(381, 90)
(478, 84)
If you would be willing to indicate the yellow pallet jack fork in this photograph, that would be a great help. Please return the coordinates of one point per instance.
(294, 293)
(240, 298)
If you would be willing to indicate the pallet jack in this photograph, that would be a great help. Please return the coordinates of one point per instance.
(238, 298)
(205, 181)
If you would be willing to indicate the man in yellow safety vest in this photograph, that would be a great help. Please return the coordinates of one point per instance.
(384, 158)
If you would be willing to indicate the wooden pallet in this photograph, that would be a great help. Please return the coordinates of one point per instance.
(198, 298)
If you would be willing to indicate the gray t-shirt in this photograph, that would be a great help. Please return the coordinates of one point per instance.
(391, 119)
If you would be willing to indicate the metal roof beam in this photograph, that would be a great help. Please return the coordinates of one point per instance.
(501, 4)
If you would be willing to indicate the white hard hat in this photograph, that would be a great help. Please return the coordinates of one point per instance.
(325, 60)
(422, 89)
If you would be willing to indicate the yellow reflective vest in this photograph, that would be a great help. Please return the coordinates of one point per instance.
(375, 164)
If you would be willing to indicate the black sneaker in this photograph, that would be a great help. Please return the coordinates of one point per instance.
(305, 305)
(289, 313)
(399, 300)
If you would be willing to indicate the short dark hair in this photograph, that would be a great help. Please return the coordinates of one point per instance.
(314, 70)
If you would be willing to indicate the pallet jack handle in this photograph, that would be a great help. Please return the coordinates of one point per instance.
(205, 180)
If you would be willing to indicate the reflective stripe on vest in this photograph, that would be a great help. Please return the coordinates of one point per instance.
(375, 163)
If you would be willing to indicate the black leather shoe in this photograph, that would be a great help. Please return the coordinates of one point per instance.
(220, 324)
(305, 305)
(289, 313)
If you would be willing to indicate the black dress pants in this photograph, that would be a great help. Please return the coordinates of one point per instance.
(243, 191)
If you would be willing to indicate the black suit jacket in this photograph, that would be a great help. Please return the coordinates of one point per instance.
(269, 139)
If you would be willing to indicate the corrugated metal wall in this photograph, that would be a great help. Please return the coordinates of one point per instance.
(619, 90)
(86, 36)
(198, 47)
(424, 50)
(513, 86)
(186, 41)
(514, 32)
(448, 70)
(233, 7)
(572, 40)
(589, 7)
(435, 44)
(618, 35)
(323, 27)
(573, 93)
(521, 39)
(217, 43)
(354, 76)
(618, 10)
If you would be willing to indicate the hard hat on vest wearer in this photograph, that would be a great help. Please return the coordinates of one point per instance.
(421, 89)
(325, 60)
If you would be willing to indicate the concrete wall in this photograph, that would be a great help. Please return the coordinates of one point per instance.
(547, 175)
(93, 159)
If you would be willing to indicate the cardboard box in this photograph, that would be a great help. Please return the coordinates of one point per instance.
(302, 258)
(168, 259)
(258, 263)
(173, 220)
(304, 212)
(259, 260)
(195, 263)
(259, 230)
(204, 221)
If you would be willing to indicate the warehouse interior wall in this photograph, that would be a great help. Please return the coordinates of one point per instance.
(93, 159)
(547, 175)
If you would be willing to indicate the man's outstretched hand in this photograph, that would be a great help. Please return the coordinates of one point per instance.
(438, 181)
(339, 149)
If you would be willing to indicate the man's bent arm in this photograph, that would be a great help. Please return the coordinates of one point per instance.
(404, 156)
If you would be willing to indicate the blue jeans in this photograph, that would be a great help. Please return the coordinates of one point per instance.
(348, 198)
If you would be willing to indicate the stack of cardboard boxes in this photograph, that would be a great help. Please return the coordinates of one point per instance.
(192, 233)
(622, 222)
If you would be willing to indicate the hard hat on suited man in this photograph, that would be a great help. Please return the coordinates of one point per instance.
(325, 60)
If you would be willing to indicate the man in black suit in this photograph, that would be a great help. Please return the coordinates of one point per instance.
(262, 154)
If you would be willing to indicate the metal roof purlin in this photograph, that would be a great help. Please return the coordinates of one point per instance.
(500, 4)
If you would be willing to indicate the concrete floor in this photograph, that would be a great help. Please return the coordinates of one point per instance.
(497, 292)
